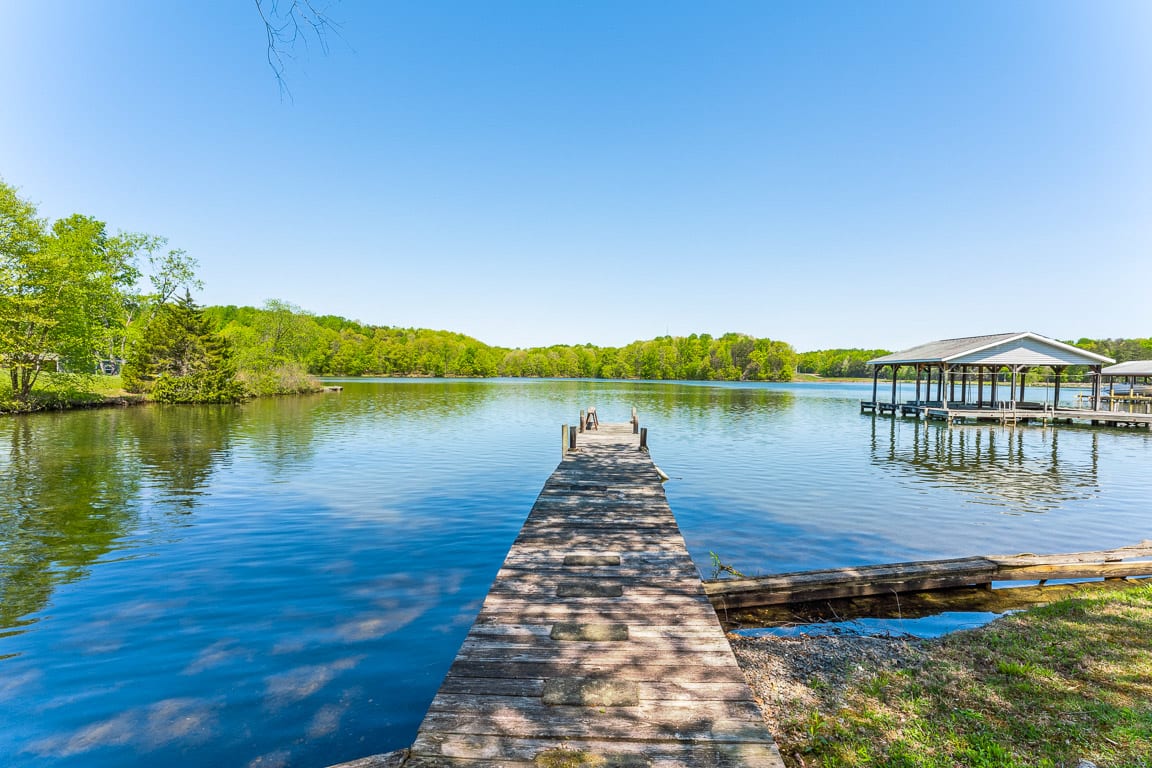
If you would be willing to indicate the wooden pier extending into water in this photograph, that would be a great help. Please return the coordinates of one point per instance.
(596, 645)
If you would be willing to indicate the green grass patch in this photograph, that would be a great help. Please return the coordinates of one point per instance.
(56, 391)
(1046, 688)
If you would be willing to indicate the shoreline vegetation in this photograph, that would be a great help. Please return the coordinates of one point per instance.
(273, 351)
(1061, 685)
(77, 298)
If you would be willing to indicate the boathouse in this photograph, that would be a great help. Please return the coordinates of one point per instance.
(1137, 374)
(983, 377)
(1129, 386)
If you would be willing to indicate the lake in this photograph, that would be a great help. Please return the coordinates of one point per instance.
(284, 583)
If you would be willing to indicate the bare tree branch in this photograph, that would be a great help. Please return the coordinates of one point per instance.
(288, 22)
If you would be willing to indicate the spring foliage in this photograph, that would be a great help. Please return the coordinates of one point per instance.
(181, 359)
(279, 334)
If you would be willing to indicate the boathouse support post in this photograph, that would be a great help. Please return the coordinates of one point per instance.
(919, 370)
(945, 383)
(940, 385)
(875, 385)
(1059, 371)
(1012, 387)
(1096, 387)
(895, 370)
(980, 386)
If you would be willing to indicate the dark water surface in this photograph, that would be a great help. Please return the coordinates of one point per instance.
(286, 582)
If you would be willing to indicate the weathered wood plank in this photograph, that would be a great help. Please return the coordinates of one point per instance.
(506, 629)
(642, 670)
(649, 690)
(614, 657)
(781, 589)
(687, 752)
(716, 721)
(479, 645)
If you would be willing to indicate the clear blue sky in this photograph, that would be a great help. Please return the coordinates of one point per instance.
(829, 174)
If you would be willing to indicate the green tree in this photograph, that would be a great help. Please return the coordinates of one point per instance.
(181, 359)
(61, 290)
(168, 272)
(274, 348)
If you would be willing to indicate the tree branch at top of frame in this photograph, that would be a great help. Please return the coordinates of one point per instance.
(289, 22)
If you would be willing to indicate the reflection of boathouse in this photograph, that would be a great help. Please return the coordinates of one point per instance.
(983, 377)
(1017, 471)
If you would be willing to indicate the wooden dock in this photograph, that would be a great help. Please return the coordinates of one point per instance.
(596, 645)
(1012, 414)
(927, 575)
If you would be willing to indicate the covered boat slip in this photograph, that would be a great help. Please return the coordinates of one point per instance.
(1129, 386)
(983, 377)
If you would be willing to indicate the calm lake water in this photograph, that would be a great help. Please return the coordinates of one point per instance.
(286, 582)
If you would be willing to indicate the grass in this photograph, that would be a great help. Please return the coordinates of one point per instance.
(55, 391)
(1046, 688)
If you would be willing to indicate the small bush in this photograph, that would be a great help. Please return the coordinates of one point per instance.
(197, 388)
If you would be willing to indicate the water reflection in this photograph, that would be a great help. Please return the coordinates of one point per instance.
(178, 448)
(1019, 470)
(67, 501)
(78, 486)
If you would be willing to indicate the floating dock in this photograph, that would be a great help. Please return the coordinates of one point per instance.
(596, 645)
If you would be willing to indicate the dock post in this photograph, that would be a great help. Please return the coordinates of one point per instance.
(571, 440)
(563, 440)
(644, 438)
(582, 418)
(635, 422)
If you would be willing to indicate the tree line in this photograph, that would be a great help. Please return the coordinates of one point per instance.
(280, 336)
(76, 299)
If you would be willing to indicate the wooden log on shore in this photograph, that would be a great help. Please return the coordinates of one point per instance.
(926, 575)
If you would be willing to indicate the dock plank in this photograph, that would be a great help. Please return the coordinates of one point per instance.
(597, 637)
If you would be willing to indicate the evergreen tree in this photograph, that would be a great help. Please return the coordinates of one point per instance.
(181, 359)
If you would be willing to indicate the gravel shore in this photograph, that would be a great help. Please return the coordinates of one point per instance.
(792, 676)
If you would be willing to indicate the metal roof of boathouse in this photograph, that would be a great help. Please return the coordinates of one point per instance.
(1023, 348)
(1130, 368)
